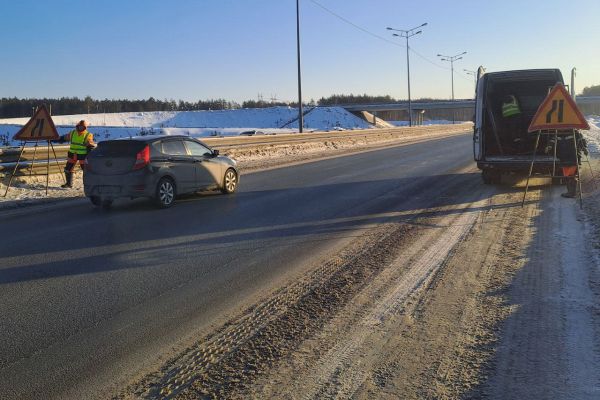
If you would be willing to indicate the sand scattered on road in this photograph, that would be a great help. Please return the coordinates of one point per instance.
(409, 310)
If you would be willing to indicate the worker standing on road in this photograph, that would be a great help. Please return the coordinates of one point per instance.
(565, 151)
(511, 114)
(81, 142)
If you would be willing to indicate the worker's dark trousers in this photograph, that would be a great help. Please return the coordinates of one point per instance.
(72, 159)
(572, 186)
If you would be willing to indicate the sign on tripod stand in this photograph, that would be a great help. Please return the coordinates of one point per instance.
(40, 128)
(558, 116)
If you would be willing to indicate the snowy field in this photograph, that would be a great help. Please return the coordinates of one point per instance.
(199, 123)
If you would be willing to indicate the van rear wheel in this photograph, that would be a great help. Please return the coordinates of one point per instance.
(490, 177)
(106, 204)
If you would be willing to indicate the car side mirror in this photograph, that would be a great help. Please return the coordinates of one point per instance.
(215, 153)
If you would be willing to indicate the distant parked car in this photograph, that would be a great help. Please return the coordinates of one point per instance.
(252, 133)
(159, 167)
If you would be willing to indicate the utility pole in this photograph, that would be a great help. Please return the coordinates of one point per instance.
(300, 113)
(474, 74)
(451, 59)
(573, 75)
(407, 34)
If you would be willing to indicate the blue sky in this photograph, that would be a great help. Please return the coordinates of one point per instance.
(235, 49)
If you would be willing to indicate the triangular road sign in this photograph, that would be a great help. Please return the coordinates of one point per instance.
(39, 127)
(558, 111)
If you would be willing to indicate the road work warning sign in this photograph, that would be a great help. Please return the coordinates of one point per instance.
(39, 127)
(558, 111)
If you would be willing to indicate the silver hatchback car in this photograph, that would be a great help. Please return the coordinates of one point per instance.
(158, 167)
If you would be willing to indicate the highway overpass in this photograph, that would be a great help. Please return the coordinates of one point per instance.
(440, 105)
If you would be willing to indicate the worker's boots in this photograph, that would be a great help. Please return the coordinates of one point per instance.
(572, 188)
(69, 179)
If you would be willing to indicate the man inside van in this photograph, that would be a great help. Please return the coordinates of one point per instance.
(511, 113)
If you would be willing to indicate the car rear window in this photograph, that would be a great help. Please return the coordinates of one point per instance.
(119, 148)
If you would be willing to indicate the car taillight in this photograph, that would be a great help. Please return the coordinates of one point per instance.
(142, 158)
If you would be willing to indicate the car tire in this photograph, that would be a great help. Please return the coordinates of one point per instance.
(165, 193)
(95, 201)
(230, 181)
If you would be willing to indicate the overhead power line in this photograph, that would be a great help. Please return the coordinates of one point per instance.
(360, 28)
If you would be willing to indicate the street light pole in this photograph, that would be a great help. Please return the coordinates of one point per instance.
(451, 59)
(472, 73)
(408, 34)
(300, 113)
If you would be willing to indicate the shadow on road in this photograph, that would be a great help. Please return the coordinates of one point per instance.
(135, 235)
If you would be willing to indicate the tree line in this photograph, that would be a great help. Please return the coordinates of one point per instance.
(13, 107)
(591, 91)
(17, 108)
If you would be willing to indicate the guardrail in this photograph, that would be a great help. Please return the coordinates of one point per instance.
(27, 165)
(34, 160)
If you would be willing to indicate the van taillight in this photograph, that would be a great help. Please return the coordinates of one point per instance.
(142, 158)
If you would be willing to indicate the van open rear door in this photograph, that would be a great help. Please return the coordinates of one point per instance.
(479, 94)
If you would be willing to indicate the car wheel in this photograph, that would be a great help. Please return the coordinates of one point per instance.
(165, 193)
(95, 201)
(230, 181)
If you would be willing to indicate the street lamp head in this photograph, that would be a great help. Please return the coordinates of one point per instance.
(389, 29)
(416, 33)
(424, 24)
(439, 55)
(395, 34)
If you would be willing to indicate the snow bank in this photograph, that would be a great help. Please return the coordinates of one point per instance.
(200, 123)
(593, 135)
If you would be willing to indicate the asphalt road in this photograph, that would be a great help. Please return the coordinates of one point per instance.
(91, 299)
